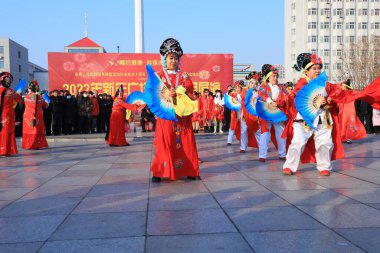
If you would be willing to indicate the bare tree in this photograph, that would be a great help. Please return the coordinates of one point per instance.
(361, 62)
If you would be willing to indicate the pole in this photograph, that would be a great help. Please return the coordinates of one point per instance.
(139, 27)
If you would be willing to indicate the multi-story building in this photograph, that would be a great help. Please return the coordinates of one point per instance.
(14, 59)
(327, 28)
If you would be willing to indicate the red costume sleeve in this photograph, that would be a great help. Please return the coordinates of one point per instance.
(263, 93)
(131, 107)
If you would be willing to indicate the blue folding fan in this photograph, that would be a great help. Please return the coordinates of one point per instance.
(157, 96)
(136, 97)
(250, 102)
(46, 97)
(231, 103)
(308, 98)
(269, 112)
(20, 87)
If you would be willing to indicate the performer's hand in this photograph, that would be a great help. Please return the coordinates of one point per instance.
(273, 104)
(323, 101)
(329, 100)
(172, 92)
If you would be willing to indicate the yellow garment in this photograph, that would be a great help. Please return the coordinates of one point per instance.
(128, 114)
(185, 106)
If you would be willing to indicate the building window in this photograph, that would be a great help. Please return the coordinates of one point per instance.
(339, 52)
(19, 68)
(312, 39)
(325, 25)
(375, 25)
(362, 26)
(326, 66)
(312, 11)
(313, 51)
(325, 39)
(350, 12)
(338, 12)
(350, 39)
(19, 55)
(1, 50)
(375, 12)
(293, 31)
(325, 12)
(363, 12)
(293, 57)
(337, 25)
(293, 6)
(325, 52)
(338, 39)
(364, 39)
(350, 25)
(2, 66)
(293, 44)
(293, 19)
(312, 25)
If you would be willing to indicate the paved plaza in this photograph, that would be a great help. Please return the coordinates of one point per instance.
(82, 196)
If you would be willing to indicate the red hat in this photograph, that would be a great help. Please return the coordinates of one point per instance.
(3, 75)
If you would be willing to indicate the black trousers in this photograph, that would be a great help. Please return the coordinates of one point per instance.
(57, 123)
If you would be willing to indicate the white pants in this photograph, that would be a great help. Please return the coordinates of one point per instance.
(265, 138)
(323, 146)
(243, 135)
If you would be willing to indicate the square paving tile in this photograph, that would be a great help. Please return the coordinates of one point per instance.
(58, 191)
(28, 229)
(299, 241)
(343, 183)
(125, 179)
(177, 187)
(188, 222)
(71, 180)
(289, 184)
(40, 207)
(117, 245)
(30, 247)
(101, 225)
(13, 193)
(225, 176)
(182, 201)
(117, 203)
(210, 243)
(248, 199)
(315, 197)
(234, 186)
(344, 216)
(271, 218)
(118, 189)
(366, 238)
(364, 195)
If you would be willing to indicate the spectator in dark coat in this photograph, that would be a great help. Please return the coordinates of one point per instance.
(84, 111)
(364, 112)
(56, 102)
(70, 110)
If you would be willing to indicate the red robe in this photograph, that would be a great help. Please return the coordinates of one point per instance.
(33, 137)
(195, 116)
(176, 153)
(351, 128)
(308, 155)
(116, 134)
(206, 108)
(7, 133)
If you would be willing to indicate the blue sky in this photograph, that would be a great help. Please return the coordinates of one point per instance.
(252, 30)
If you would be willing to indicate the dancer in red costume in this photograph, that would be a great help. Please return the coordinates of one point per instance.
(33, 128)
(195, 117)
(326, 144)
(351, 128)
(176, 153)
(206, 110)
(116, 135)
(7, 116)
(218, 111)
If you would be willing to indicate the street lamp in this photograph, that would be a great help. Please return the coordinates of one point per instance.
(117, 49)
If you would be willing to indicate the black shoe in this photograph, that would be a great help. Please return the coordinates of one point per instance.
(156, 179)
(194, 178)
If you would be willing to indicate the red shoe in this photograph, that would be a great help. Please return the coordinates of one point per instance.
(324, 173)
(242, 151)
(262, 160)
(287, 172)
(282, 158)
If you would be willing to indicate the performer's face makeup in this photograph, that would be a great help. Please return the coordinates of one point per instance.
(172, 61)
(273, 79)
(313, 71)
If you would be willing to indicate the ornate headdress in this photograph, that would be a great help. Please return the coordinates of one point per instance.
(171, 45)
(33, 86)
(3, 75)
(306, 60)
(267, 70)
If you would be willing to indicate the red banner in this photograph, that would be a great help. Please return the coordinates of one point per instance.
(107, 71)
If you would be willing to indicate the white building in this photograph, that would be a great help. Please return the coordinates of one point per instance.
(327, 27)
(14, 59)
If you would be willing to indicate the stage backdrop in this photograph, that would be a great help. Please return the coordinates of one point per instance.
(105, 72)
